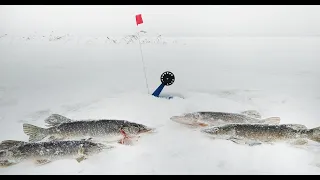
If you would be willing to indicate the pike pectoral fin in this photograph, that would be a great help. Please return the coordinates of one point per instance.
(42, 161)
(253, 143)
(125, 141)
(244, 141)
(6, 163)
(298, 142)
(81, 151)
(236, 140)
(82, 155)
(81, 158)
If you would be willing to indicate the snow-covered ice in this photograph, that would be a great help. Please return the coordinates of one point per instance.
(92, 78)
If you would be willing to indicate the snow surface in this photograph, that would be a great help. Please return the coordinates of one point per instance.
(92, 77)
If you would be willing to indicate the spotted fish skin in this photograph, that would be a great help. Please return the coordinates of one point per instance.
(264, 132)
(68, 129)
(206, 118)
(48, 151)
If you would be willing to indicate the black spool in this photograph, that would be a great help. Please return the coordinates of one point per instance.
(167, 78)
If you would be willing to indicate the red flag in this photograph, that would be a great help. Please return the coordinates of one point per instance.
(139, 19)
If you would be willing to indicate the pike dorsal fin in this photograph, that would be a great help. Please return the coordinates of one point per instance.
(251, 113)
(56, 119)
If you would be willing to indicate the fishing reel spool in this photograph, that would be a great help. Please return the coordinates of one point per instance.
(167, 78)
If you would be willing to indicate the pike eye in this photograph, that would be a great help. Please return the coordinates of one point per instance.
(215, 129)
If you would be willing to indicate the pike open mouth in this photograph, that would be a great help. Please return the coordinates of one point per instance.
(185, 120)
(147, 130)
(176, 118)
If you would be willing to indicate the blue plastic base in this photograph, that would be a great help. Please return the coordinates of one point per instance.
(157, 92)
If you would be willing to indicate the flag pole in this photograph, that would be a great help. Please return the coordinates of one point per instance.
(144, 69)
(140, 21)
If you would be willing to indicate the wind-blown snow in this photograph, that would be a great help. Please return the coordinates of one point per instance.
(91, 79)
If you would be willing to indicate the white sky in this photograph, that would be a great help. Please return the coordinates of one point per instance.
(175, 20)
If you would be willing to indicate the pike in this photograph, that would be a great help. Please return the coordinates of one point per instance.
(255, 134)
(207, 118)
(62, 128)
(13, 152)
